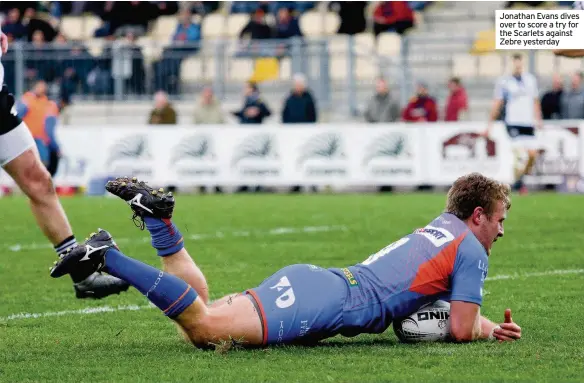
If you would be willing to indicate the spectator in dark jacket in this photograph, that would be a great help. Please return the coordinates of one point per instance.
(287, 25)
(252, 35)
(257, 28)
(421, 108)
(13, 27)
(254, 109)
(352, 15)
(551, 107)
(299, 107)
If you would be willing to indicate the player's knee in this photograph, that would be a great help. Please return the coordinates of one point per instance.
(201, 334)
(38, 182)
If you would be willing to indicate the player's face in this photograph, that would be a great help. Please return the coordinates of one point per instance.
(492, 226)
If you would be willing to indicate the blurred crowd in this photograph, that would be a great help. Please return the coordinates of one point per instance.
(300, 106)
(72, 68)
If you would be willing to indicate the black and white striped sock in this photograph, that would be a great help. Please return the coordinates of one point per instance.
(61, 248)
(65, 244)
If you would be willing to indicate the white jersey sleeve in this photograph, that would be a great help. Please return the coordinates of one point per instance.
(578, 5)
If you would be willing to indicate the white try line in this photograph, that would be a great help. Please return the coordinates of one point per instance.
(196, 237)
(109, 309)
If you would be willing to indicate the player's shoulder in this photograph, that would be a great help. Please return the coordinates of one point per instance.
(470, 247)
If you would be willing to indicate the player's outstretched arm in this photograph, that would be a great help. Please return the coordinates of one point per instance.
(465, 321)
(467, 325)
(507, 331)
(572, 53)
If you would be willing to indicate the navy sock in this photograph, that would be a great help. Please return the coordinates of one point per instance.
(170, 294)
(166, 238)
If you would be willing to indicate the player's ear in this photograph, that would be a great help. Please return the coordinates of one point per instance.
(478, 215)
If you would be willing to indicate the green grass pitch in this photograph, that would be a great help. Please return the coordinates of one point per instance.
(537, 269)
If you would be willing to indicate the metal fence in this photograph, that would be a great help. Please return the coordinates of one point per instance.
(121, 70)
(336, 68)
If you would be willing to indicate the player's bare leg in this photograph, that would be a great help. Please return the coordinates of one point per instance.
(34, 180)
(155, 208)
(522, 172)
(183, 266)
(25, 167)
(237, 320)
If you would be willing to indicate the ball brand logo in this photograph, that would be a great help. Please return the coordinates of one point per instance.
(257, 146)
(131, 147)
(195, 147)
(324, 146)
(387, 145)
(430, 315)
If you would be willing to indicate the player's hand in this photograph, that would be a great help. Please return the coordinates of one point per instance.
(507, 331)
(4, 43)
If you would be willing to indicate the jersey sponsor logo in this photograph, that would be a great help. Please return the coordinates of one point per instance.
(437, 235)
(349, 275)
(287, 299)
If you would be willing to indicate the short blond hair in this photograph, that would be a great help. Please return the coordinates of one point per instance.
(475, 190)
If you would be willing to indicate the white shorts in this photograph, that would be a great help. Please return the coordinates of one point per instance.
(14, 143)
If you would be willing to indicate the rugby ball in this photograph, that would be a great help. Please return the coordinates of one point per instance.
(431, 323)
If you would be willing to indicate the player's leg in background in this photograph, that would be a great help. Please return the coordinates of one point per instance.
(238, 320)
(34, 180)
(526, 145)
(20, 158)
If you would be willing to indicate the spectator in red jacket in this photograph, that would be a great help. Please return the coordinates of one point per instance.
(392, 16)
(457, 103)
(422, 107)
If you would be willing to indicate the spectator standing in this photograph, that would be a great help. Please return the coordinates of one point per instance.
(382, 107)
(163, 112)
(457, 103)
(41, 115)
(299, 107)
(422, 107)
(254, 110)
(208, 109)
(572, 101)
(551, 107)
